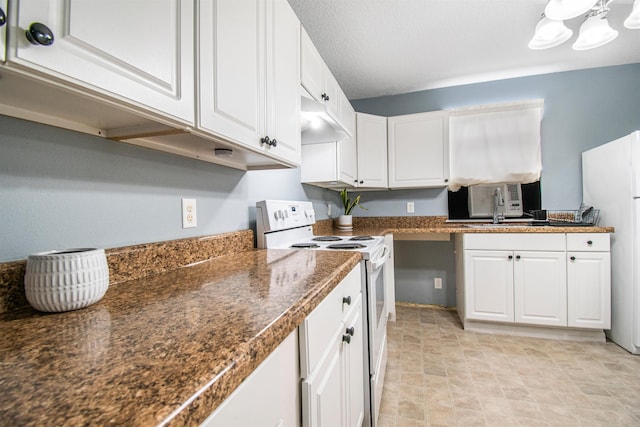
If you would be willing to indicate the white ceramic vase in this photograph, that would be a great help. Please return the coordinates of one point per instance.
(345, 221)
(66, 280)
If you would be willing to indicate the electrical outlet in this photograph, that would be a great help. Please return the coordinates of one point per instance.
(437, 283)
(189, 214)
(329, 209)
(410, 207)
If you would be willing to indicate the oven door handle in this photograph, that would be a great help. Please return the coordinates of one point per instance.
(379, 262)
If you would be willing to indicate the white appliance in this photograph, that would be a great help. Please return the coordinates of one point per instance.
(482, 200)
(288, 224)
(611, 183)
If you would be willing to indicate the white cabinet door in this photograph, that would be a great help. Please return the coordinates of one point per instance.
(347, 115)
(231, 69)
(330, 93)
(354, 367)
(540, 288)
(138, 51)
(3, 30)
(589, 289)
(372, 150)
(329, 164)
(311, 66)
(248, 74)
(321, 163)
(323, 393)
(488, 278)
(348, 161)
(316, 77)
(283, 77)
(271, 391)
(419, 150)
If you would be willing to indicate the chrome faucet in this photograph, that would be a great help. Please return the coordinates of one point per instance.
(498, 200)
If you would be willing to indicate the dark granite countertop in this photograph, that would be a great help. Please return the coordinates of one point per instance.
(168, 346)
(379, 226)
(163, 349)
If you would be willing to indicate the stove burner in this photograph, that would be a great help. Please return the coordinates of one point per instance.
(360, 238)
(305, 245)
(346, 246)
(327, 239)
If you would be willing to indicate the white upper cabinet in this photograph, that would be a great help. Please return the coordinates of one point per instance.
(316, 77)
(372, 150)
(348, 161)
(283, 75)
(248, 74)
(330, 164)
(137, 51)
(418, 150)
(312, 67)
(347, 114)
(3, 30)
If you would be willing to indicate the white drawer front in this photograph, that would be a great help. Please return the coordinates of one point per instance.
(515, 241)
(351, 288)
(592, 242)
(319, 328)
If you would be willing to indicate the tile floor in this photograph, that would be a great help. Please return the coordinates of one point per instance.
(440, 375)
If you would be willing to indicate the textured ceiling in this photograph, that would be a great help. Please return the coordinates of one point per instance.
(384, 47)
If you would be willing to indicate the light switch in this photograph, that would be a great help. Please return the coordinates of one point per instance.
(410, 207)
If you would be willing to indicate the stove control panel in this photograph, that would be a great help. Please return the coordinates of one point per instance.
(274, 215)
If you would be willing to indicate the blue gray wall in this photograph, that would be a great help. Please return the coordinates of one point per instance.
(63, 189)
(582, 109)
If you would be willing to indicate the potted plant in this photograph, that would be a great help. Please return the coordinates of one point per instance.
(346, 220)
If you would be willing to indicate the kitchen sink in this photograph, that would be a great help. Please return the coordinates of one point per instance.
(501, 225)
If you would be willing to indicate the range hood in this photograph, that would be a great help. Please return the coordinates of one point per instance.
(317, 125)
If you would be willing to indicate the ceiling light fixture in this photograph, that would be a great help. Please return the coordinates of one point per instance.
(549, 33)
(560, 10)
(594, 31)
(633, 20)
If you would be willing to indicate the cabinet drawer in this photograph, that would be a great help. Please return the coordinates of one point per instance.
(351, 289)
(592, 242)
(515, 241)
(319, 328)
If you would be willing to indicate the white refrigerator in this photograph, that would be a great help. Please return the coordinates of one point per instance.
(611, 183)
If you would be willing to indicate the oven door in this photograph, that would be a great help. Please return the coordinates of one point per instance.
(377, 304)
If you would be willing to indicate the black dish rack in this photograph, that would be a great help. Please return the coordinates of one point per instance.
(586, 216)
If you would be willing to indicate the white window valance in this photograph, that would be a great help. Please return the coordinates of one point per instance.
(495, 143)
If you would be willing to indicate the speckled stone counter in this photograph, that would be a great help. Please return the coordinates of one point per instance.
(378, 226)
(132, 262)
(161, 349)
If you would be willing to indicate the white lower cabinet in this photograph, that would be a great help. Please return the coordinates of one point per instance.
(327, 353)
(540, 288)
(332, 363)
(589, 281)
(535, 279)
(271, 393)
(489, 285)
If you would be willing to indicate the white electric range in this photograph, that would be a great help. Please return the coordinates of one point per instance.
(288, 225)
